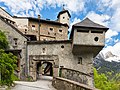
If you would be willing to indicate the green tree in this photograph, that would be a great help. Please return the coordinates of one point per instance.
(7, 66)
(3, 41)
(102, 82)
(7, 62)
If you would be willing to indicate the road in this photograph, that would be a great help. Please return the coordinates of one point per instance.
(45, 83)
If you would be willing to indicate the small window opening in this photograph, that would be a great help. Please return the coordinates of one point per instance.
(48, 33)
(96, 31)
(51, 29)
(43, 50)
(79, 60)
(32, 63)
(96, 39)
(62, 46)
(15, 40)
(33, 27)
(60, 31)
(25, 31)
(63, 17)
(84, 31)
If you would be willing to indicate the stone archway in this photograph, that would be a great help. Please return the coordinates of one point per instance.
(36, 61)
(44, 68)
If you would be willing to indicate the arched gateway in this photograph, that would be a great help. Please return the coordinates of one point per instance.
(43, 65)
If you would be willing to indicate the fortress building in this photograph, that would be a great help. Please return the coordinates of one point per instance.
(43, 48)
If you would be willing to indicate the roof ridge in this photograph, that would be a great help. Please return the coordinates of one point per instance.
(89, 23)
(6, 12)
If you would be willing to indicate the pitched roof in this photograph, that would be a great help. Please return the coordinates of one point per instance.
(42, 20)
(89, 24)
(1, 18)
(5, 11)
(63, 11)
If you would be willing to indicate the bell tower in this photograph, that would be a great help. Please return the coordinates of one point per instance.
(87, 37)
(64, 16)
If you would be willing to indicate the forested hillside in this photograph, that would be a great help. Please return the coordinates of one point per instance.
(106, 74)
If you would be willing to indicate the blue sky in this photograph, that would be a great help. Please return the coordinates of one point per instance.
(104, 12)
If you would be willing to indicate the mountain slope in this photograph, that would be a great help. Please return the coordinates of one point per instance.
(103, 65)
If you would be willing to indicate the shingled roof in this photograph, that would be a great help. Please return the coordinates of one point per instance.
(63, 11)
(89, 24)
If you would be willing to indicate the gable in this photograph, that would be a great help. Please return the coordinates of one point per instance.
(11, 32)
(5, 14)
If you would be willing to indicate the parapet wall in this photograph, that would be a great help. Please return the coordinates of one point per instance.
(65, 84)
(77, 76)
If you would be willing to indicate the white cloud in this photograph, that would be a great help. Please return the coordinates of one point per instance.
(115, 3)
(76, 20)
(101, 19)
(115, 20)
(105, 2)
(110, 33)
(17, 6)
(114, 49)
(21, 6)
(113, 7)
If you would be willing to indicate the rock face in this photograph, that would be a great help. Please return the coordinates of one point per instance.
(103, 65)
(109, 54)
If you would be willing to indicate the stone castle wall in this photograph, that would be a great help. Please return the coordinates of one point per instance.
(66, 58)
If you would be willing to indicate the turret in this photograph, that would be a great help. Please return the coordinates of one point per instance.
(64, 17)
(87, 37)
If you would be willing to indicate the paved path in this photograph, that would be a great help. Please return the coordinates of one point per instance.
(43, 84)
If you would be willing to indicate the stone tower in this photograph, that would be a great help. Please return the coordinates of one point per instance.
(88, 37)
(64, 17)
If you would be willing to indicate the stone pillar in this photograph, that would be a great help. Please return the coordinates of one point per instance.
(56, 71)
